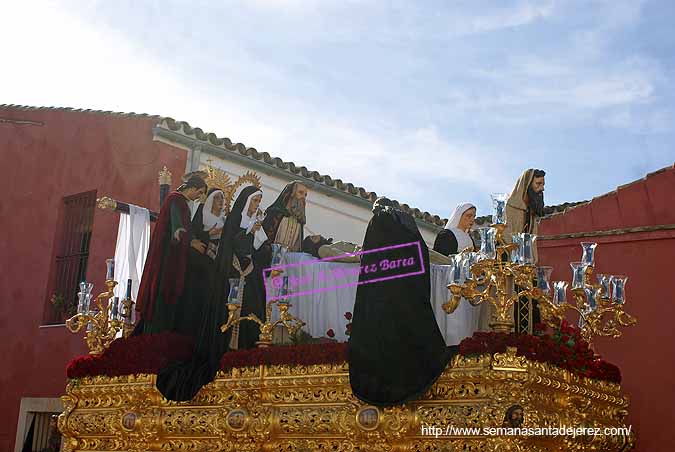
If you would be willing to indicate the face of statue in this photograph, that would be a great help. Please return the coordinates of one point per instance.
(296, 204)
(538, 184)
(218, 202)
(253, 206)
(516, 417)
(300, 192)
(193, 193)
(467, 219)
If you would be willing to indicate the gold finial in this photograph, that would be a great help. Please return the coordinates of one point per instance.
(106, 203)
(165, 176)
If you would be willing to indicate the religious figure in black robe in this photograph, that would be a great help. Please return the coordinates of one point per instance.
(181, 381)
(285, 218)
(252, 254)
(396, 350)
(162, 287)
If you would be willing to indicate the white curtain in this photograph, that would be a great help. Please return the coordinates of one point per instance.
(133, 240)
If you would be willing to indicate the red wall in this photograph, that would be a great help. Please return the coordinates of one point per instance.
(70, 153)
(645, 352)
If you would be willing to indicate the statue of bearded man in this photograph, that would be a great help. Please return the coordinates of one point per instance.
(285, 218)
(525, 205)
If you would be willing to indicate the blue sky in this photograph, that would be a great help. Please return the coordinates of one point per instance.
(431, 103)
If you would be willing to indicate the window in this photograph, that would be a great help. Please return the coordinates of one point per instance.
(72, 254)
(43, 433)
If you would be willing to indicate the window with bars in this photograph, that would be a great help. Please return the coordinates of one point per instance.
(71, 256)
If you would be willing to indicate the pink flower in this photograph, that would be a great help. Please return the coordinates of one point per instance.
(330, 333)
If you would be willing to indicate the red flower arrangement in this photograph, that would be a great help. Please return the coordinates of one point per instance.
(565, 348)
(133, 355)
(149, 353)
(300, 355)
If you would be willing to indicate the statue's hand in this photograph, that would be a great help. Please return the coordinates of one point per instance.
(198, 245)
(176, 235)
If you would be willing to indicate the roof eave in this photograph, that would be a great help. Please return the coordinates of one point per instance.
(180, 139)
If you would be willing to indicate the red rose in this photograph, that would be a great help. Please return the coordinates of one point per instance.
(348, 315)
(330, 333)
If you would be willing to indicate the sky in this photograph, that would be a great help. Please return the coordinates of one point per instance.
(431, 103)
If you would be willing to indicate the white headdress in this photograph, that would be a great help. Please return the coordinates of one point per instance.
(248, 222)
(208, 218)
(463, 238)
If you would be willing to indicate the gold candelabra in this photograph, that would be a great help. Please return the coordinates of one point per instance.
(292, 323)
(600, 313)
(102, 325)
(497, 279)
(493, 280)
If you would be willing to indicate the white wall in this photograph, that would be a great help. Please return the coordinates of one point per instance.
(327, 215)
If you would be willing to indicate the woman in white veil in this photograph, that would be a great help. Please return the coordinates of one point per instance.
(455, 238)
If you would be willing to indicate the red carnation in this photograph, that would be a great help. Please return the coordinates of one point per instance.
(330, 333)
(348, 315)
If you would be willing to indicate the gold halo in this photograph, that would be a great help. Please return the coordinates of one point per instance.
(250, 177)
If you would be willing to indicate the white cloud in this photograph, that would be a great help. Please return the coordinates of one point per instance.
(86, 66)
(524, 13)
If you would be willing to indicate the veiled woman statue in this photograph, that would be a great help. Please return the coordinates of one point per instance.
(396, 350)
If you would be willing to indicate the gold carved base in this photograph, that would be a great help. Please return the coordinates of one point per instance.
(312, 408)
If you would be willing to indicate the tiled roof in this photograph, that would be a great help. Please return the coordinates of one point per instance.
(79, 110)
(293, 169)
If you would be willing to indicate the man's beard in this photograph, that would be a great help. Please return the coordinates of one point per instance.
(296, 207)
(535, 202)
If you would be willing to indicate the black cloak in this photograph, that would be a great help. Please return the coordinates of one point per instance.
(181, 381)
(396, 350)
(278, 210)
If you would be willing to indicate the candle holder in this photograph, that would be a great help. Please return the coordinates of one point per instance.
(526, 247)
(543, 277)
(487, 243)
(106, 318)
(588, 255)
(290, 322)
(499, 205)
